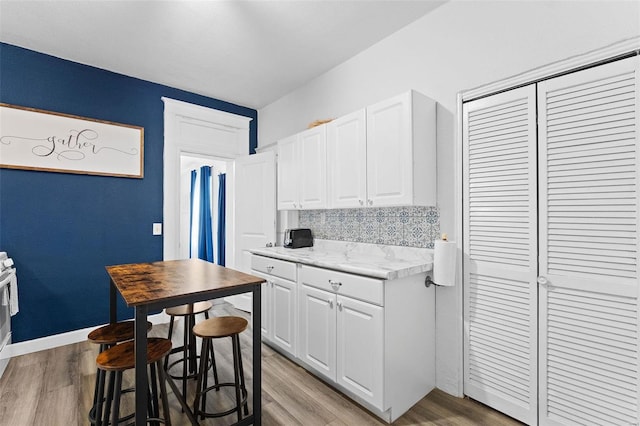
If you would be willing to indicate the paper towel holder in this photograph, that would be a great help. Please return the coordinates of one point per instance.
(428, 281)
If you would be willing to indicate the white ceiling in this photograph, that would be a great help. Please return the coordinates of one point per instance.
(246, 52)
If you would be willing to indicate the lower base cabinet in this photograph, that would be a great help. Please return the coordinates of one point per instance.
(342, 339)
(372, 339)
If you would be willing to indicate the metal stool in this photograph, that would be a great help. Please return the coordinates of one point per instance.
(188, 348)
(120, 358)
(108, 336)
(217, 328)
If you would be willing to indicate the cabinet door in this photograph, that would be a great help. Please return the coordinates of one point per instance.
(283, 303)
(360, 346)
(312, 174)
(589, 257)
(500, 247)
(389, 152)
(288, 173)
(265, 305)
(346, 161)
(317, 330)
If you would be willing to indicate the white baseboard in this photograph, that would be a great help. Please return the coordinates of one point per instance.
(49, 342)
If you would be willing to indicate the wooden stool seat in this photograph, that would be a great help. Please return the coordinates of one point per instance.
(220, 327)
(217, 328)
(108, 336)
(191, 309)
(189, 359)
(122, 357)
(111, 334)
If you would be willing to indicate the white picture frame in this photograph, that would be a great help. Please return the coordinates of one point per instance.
(34, 139)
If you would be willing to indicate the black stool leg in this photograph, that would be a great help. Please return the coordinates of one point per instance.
(215, 367)
(92, 412)
(109, 399)
(236, 375)
(242, 383)
(193, 362)
(116, 399)
(165, 400)
(166, 359)
(185, 353)
(98, 407)
(201, 374)
(154, 394)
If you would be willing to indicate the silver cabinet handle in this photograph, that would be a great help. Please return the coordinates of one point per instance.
(269, 269)
(370, 202)
(361, 202)
(330, 303)
(294, 205)
(335, 285)
(543, 281)
(269, 244)
(339, 305)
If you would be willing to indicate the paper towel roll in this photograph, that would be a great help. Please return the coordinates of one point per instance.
(444, 263)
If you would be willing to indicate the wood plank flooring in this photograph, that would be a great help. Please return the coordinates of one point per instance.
(55, 388)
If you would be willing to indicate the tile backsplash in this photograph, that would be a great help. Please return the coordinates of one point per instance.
(413, 226)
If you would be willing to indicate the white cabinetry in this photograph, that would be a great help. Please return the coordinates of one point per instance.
(384, 155)
(371, 338)
(302, 176)
(347, 160)
(401, 151)
(341, 326)
(278, 301)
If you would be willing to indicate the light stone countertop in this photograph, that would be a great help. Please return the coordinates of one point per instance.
(372, 260)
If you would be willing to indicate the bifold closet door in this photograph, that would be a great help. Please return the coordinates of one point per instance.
(500, 247)
(588, 294)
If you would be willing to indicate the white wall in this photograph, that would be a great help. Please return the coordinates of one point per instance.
(460, 45)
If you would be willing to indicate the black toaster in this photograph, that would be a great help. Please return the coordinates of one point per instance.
(298, 238)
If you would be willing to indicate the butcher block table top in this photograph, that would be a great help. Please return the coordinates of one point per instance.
(146, 283)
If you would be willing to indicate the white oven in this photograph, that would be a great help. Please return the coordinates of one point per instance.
(8, 305)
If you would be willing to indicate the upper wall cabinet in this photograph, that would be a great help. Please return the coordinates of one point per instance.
(401, 151)
(302, 176)
(347, 160)
(383, 155)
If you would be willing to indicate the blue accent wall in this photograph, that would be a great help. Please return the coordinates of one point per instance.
(62, 229)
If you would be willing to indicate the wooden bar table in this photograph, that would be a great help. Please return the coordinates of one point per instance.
(157, 285)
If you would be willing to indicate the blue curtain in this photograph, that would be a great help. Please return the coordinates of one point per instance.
(194, 174)
(205, 237)
(222, 180)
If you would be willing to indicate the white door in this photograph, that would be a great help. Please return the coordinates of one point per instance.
(360, 362)
(283, 296)
(346, 161)
(317, 330)
(254, 210)
(500, 246)
(389, 144)
(589, 324)
(312, 172)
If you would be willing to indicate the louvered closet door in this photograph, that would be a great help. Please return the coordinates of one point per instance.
(588, 158)
(500, 245)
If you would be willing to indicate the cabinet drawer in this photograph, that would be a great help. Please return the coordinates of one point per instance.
(279, 268)
(367, 289)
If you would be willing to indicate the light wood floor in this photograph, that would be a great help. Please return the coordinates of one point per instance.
(55, 388)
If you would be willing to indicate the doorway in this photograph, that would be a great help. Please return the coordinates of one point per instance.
(187, 232)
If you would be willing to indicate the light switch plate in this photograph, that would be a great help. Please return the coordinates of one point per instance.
(157, 229)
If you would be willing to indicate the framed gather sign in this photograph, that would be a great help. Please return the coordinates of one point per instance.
(34, 139)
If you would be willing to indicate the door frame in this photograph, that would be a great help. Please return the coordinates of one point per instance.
(179, 118)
